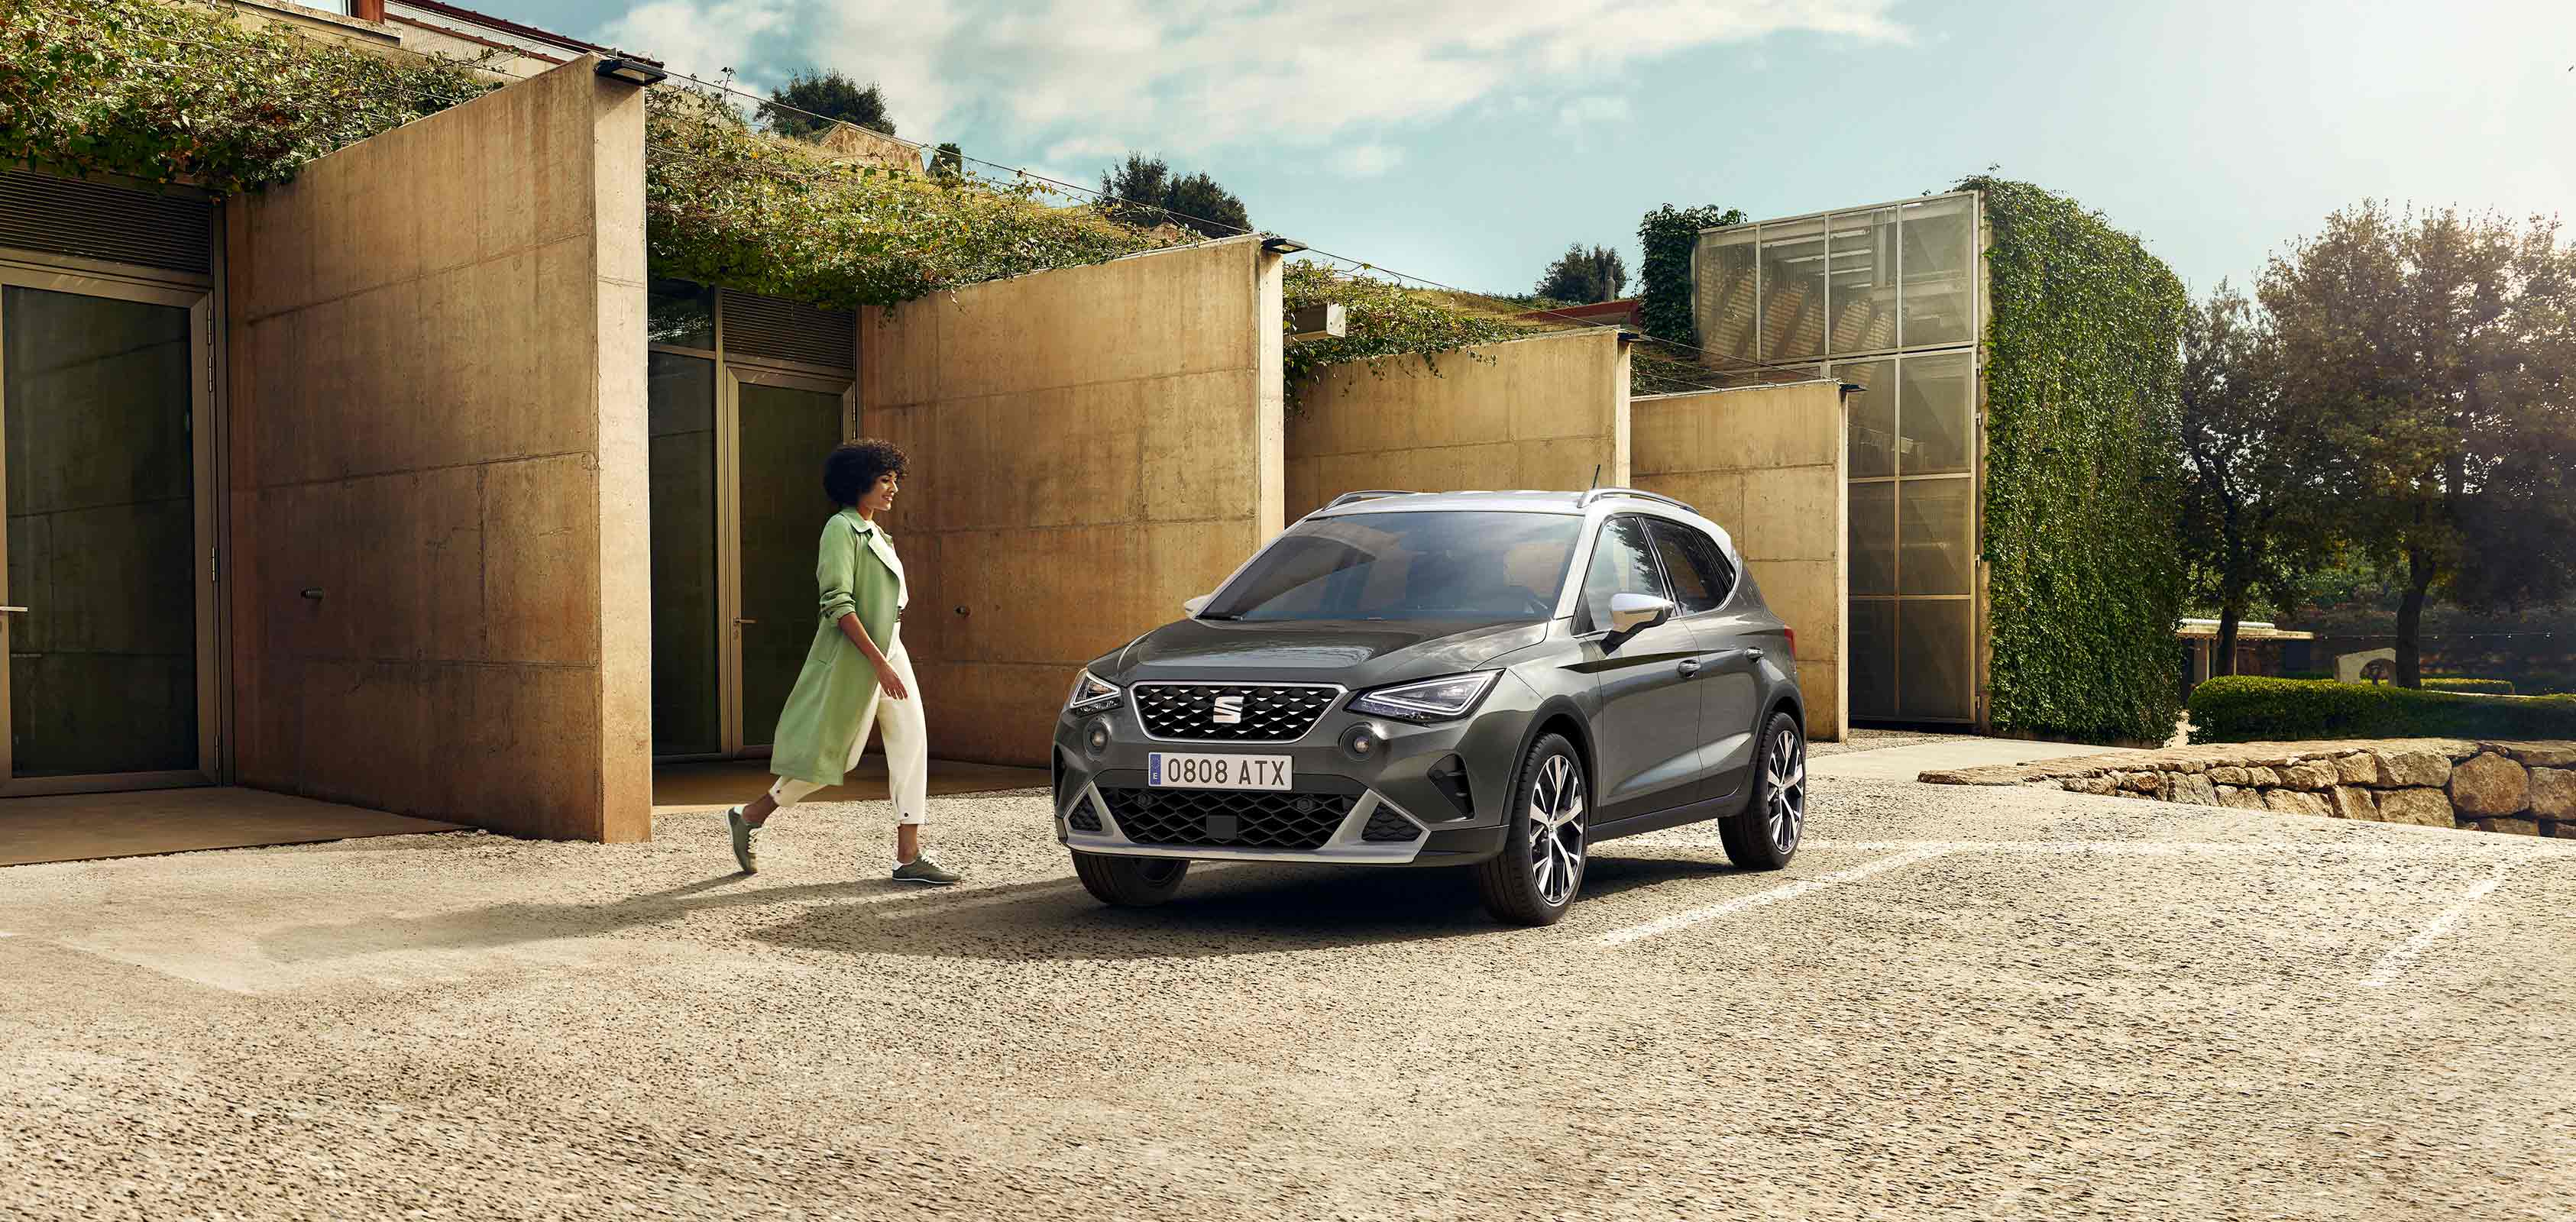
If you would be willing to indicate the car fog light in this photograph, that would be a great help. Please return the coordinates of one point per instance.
(1097, 739)
(1361, 742)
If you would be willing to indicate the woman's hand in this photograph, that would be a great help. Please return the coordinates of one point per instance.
(889, 682)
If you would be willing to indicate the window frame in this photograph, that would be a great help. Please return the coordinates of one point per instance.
(1684, 533)
(1584, 627)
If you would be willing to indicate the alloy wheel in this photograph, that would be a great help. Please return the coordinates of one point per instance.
(1785, 770)
(1556, 829)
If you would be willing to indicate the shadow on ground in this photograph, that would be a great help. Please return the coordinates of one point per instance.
(1258, 909)
(1246, 910)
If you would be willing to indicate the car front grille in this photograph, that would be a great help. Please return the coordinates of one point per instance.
(1188, 712)
(1249, 819)
(1083, 818)
(1387, 827)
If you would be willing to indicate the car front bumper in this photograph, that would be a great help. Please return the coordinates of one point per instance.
(1397, 779)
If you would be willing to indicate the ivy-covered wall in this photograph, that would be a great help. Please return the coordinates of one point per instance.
(2082, 353)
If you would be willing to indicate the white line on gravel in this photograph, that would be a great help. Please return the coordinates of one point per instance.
(1684, 920)
(2384, 972)
(2520, 847)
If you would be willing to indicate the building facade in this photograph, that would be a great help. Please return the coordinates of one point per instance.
(1889, 298)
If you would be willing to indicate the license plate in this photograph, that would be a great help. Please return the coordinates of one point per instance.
(1170, 769)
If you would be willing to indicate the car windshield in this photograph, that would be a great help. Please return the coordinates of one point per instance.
(1466, 566)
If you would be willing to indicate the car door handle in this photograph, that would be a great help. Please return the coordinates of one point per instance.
(1690, 666)
(1753, 654)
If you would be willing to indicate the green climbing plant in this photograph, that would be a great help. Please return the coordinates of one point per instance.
(170, 93)
(2084, 571)
(1669, 235)
(1383, 319)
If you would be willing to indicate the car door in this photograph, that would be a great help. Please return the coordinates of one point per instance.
(1704, 584)
(1646, 735)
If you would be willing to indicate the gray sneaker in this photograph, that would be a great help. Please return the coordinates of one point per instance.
(743, 834)
(922, 870)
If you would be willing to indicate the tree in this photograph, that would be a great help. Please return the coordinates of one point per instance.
(1144, 191)
(828, 94)
(948, 163)
(2255, 468)
(1584, 276)
(2442, 351)
(1667, 236)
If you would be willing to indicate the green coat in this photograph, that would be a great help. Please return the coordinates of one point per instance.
(855, 568)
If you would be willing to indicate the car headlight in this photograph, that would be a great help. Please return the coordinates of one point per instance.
(1091, 694)
(1427, 700)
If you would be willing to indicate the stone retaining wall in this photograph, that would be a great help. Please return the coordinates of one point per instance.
(2525, 788)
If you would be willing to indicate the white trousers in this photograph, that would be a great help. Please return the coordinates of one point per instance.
(907, 746)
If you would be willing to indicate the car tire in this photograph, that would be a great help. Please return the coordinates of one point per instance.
(1767, 834)
(1130, 882)
(1539, 871)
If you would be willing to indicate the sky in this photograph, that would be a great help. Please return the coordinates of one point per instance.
(1469, 141)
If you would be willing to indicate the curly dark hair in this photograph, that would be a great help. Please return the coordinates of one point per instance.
(853, 468)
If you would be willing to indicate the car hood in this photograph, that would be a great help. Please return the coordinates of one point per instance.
(1354, 653)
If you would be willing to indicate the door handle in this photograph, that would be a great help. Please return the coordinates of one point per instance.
(1690, 666)
(739, 622)
(1753, 654)
(13, 610)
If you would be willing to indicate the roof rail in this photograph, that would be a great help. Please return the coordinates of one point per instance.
(1587, 498)
(1367, 495)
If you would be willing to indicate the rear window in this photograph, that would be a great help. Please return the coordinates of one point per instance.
(1467, 566)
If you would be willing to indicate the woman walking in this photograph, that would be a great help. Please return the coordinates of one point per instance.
(857, 673)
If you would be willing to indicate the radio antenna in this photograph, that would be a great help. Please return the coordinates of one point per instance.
(1596, 477)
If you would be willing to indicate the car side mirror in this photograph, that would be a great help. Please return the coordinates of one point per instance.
(1632, 613)
(1192, 606)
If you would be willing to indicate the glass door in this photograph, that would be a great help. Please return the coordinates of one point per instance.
(783, 424)
(108, 610)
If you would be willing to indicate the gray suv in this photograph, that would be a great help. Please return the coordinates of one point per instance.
(1493, 680)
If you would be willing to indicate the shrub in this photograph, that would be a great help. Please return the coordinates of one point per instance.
(2241, 708)
(2453, 683)
(2306, 674)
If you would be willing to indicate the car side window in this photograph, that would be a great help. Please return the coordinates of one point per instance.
(1701, 576)
(1620, 565)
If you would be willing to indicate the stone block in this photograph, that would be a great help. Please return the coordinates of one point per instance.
(2191, 787)
(2241, 799)
(2413, 767)
(2541, 755)
(2510, 827)
(2490, 784)
(2358, 768)
(2227, 774)
(2262, 778)
(2553, 793)
(2312, 777)
(2142, 782)
(2424, 807)
(2296, 802)
(2353, 802)
(2087, 784)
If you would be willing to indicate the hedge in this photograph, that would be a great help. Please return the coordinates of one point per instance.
(2243, 708)
(2491, 687)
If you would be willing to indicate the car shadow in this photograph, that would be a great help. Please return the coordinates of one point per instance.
(511, 924)
(1242, 910)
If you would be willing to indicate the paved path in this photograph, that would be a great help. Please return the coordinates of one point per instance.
(1980, 1003)
(1907, 761)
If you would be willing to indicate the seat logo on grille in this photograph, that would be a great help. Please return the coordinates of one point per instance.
(1228, 711)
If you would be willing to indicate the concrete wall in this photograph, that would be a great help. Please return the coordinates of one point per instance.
(1533, 413)
(1768, 463)
(437, 422)
(1089, 447)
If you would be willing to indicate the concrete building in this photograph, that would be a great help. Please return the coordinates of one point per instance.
(1891, 299)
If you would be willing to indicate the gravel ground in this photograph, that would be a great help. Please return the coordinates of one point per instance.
(1975, 1003)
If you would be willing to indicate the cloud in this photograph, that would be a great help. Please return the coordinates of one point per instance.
(1077, 77)
(699, 37)
(1369, 160)
(1591, 110)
